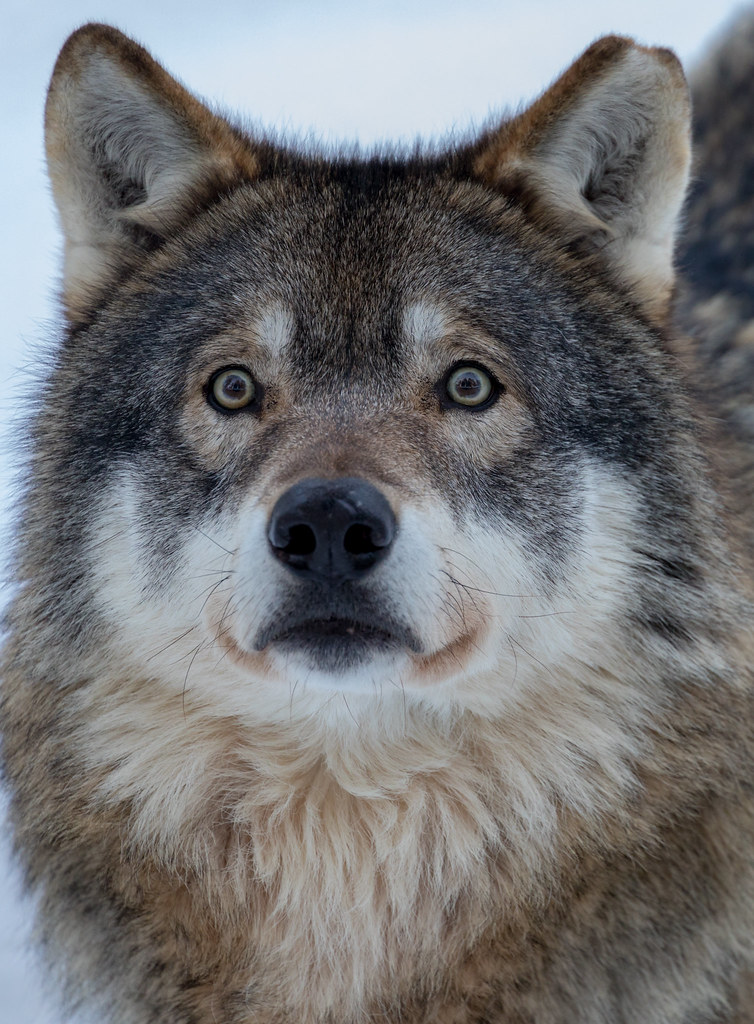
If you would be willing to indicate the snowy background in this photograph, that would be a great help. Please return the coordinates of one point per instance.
(335, 70)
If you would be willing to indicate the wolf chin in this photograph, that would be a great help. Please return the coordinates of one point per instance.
(382, 641)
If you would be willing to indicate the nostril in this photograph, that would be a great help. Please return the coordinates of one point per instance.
(359, 540)
(301, 540)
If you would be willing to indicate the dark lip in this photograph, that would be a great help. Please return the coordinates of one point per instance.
(324, 631)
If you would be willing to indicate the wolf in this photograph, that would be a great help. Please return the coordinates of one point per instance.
(382, 646)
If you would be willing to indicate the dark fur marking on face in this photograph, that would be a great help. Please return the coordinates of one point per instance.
(667, 626)
(674, 569)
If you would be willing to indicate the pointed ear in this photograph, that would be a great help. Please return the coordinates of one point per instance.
(601, 160)
(132, 157)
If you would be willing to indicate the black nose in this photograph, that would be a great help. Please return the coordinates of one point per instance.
(331, 530)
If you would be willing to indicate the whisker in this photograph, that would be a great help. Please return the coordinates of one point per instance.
(175, 640)
(515, 659)
(348, 708)
(292, 691)
(491, 593)
(188, 670)
(544, 615)
(213, 541)
(213, 572)
(211, 593)
(466, 558)
(536, 660)
(465, 589)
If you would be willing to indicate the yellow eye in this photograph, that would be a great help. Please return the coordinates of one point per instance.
(469, 385)
(232, 389)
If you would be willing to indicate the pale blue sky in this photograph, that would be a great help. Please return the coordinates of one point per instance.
(338, 70)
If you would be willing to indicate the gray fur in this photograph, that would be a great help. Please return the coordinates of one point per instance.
(522, 794)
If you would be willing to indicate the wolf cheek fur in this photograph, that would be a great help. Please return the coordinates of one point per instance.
(381, 649)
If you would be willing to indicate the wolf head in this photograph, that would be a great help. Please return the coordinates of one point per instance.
(403, 428)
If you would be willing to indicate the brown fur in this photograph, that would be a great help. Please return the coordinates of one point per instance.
(558, 833)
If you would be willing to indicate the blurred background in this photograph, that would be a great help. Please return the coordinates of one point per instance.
(326, 70)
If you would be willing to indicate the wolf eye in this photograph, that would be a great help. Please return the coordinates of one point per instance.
(231, 389)
(470, 386)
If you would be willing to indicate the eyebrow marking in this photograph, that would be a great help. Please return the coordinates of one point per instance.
(275, 328)
(425, 323)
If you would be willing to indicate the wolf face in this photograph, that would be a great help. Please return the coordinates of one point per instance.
(356, 522)
(371, 549)
(353, 521)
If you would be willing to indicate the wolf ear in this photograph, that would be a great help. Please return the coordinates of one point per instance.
(601, 160)
(132, 156)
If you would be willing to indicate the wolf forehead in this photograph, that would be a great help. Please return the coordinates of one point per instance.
(347, 250)
(348, 272)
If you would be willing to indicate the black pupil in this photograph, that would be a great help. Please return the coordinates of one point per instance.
(234, 387)
(469, 385)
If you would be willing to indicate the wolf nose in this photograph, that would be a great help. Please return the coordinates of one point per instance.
(331, 530)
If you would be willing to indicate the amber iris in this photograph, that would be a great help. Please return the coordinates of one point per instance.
(469, 385)
(232, 389)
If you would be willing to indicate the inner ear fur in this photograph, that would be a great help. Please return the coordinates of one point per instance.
(601, 160)
(132, 157)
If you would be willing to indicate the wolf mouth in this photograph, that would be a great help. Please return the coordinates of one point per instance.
(336, 643)
(330, 628)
